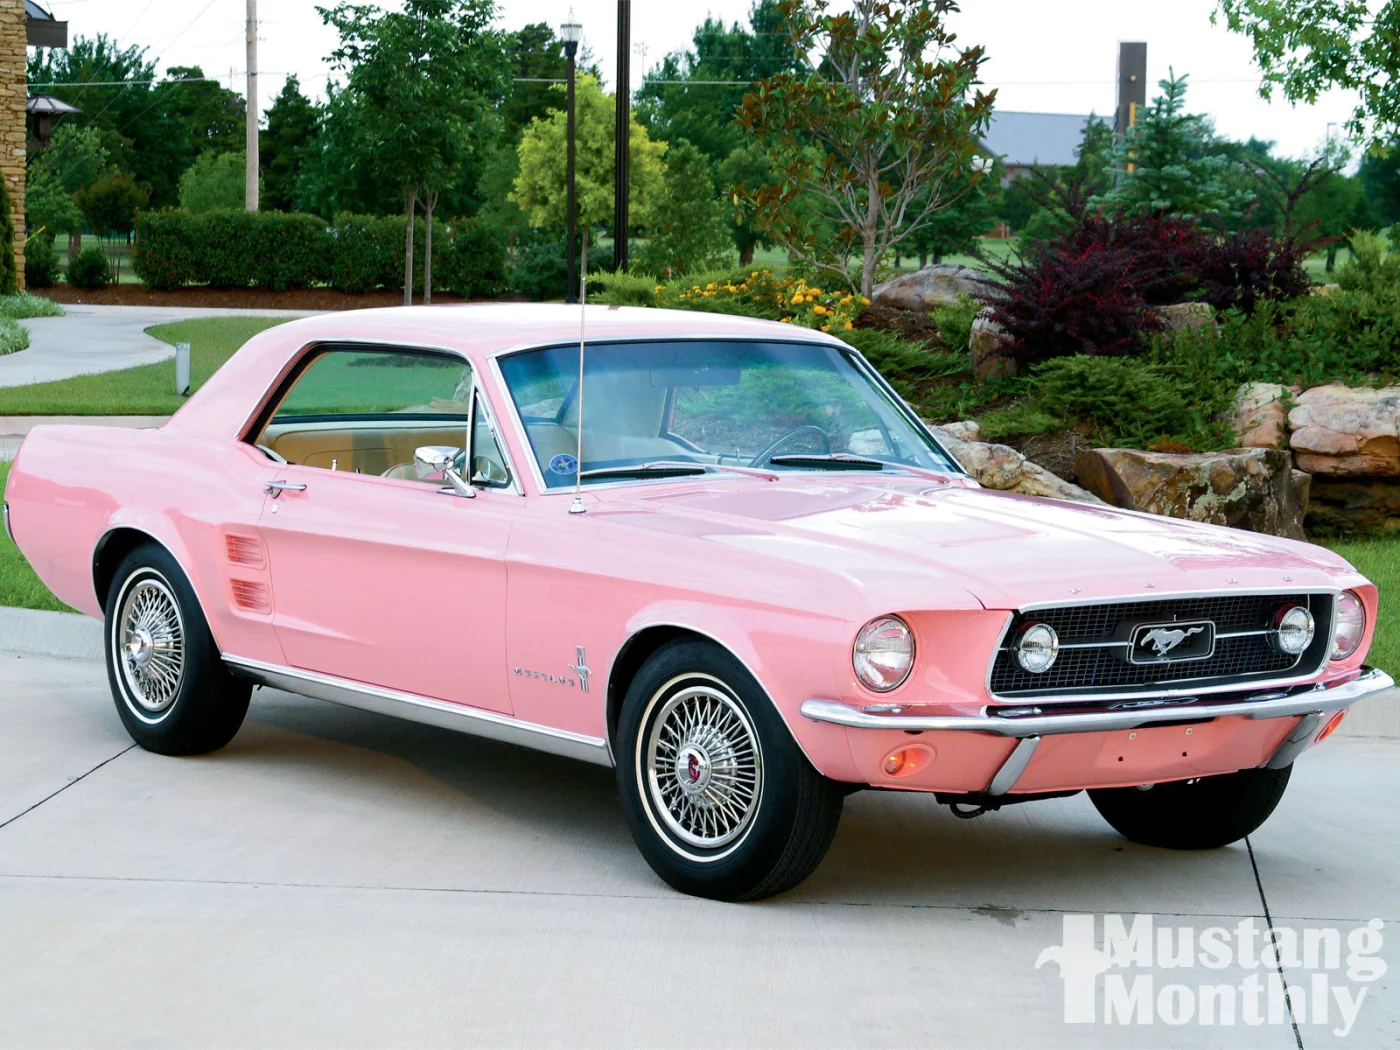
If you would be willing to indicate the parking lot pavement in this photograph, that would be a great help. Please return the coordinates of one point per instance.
(337, 878)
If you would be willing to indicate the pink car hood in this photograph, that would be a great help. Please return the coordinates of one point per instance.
(904, 538)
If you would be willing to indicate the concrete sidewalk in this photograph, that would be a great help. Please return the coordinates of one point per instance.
(338, 878)
(101, 339)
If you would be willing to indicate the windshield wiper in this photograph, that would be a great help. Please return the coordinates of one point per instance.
(646, 470)
(837, 460)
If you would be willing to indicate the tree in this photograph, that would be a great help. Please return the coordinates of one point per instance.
(687, 231)
(695, 95)
(293, 123)
(878, 132)
(422, 86)
(1380, 177)
(956, 228)
(215, 182)
(540, 187)
(1304, 49)
(747, 166)
(9, 279)
(1168, 163)
(74, 158)
(110, 204)
(536, 57)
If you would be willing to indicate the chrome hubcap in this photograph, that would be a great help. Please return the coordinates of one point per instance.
(151, 645)
(704, 767)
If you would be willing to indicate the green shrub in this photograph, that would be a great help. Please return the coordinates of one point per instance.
(13, 336)
(231, 249)
(165, 256)
(541, 271)
(622, 289)
(215, 182)
(954, 321)
(40, 263)
(9, 277)
(1019, 420)
(366, 253)
(22, 305)
(90, 269)
(1372, 267)
(474, 261)
(1133, 402)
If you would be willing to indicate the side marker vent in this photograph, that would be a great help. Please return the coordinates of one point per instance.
(250, 596)
(245, 550)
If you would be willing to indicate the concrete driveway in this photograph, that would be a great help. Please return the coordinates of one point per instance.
(334, 878)
(101, 339)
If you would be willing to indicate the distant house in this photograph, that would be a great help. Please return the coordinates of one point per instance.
(1023, 140)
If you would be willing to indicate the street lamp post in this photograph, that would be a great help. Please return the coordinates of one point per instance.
(571, 33)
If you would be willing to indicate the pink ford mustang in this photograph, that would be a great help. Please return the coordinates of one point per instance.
(755, 584)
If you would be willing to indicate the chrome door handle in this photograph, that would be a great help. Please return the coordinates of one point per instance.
(276, 488)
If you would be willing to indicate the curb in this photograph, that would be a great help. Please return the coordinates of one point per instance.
(68, 635)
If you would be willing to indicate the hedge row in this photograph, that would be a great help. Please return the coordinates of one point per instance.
(276, 250)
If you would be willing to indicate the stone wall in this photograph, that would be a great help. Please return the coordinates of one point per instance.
(13, 94)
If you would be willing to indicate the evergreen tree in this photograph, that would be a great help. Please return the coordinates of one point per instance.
(293, 123)
(688, 232)
(1169, 163)
(1380, 178)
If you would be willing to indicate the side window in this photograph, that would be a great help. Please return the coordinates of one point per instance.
(488, 461)
(366, 411)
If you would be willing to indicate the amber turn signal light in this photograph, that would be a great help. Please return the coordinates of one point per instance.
(1331, 726)
(906, 760)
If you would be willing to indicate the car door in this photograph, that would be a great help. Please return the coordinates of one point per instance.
(379, 577)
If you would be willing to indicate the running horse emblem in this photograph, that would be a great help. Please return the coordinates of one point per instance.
(1164, 641)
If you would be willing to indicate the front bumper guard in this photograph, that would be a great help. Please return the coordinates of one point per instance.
(1027, 729)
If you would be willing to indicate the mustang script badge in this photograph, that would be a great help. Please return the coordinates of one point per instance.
(1171, 642)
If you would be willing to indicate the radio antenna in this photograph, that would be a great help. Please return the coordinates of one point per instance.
(577, 506)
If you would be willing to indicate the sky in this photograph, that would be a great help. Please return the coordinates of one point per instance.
(1053, 57)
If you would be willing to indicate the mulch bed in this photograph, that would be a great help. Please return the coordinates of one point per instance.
(235, 298)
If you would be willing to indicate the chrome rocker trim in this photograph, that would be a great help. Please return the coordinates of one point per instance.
(1371, 683)
(471, 720)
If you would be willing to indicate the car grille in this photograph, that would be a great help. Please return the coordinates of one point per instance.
(1095, 641)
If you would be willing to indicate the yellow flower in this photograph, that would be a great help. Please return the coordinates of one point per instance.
(820, 311)
(864, 300)
(825, 327)
(785, 320)
(848, 326)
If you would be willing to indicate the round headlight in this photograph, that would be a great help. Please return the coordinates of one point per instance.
(1037, 646)
(883, 654)
(1294, 629)
(1351, 625)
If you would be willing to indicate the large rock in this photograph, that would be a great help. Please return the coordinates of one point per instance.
(990, 348)
(1249, 488)
(1187, 317)
(1347, 431)
(1342, 505)
(1003, 468)
(932, 286)
(1261, 417)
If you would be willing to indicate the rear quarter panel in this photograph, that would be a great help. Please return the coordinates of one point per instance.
(72, 485)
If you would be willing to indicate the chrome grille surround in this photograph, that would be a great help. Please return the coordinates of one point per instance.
(1096, 636)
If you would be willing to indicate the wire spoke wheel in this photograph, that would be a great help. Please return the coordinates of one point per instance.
(150, 645)
(704, 767)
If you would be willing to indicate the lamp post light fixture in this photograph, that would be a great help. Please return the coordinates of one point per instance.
(43, 108)
(571, 32)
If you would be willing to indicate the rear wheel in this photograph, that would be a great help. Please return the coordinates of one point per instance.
(1204, 813)
(171, 688)
(720, 800)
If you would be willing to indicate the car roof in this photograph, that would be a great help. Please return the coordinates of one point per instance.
(478, 331)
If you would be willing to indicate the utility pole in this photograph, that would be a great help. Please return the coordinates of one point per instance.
(623, 142)
(251, 191)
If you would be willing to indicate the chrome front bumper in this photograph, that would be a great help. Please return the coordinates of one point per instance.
(1028, 728)
(1314, 701)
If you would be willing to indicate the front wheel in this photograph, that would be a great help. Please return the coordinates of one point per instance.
(1204, 813)
(172, 691)
(719, 798)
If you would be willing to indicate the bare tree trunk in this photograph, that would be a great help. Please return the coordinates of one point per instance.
(408, 245)
(75, 245)
(429, 203)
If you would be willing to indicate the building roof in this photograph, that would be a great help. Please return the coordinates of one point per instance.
(1023, 139)
(42, 29)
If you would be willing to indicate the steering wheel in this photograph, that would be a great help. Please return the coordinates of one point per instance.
(767, 454)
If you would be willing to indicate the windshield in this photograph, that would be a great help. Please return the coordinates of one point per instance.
(775, 406)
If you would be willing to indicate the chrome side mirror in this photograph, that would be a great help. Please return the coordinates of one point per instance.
(431, 462)
(434, 463)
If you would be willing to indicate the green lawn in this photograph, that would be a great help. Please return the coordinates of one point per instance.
(147, 390)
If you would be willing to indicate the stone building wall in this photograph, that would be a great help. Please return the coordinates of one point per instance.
(13, 93)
